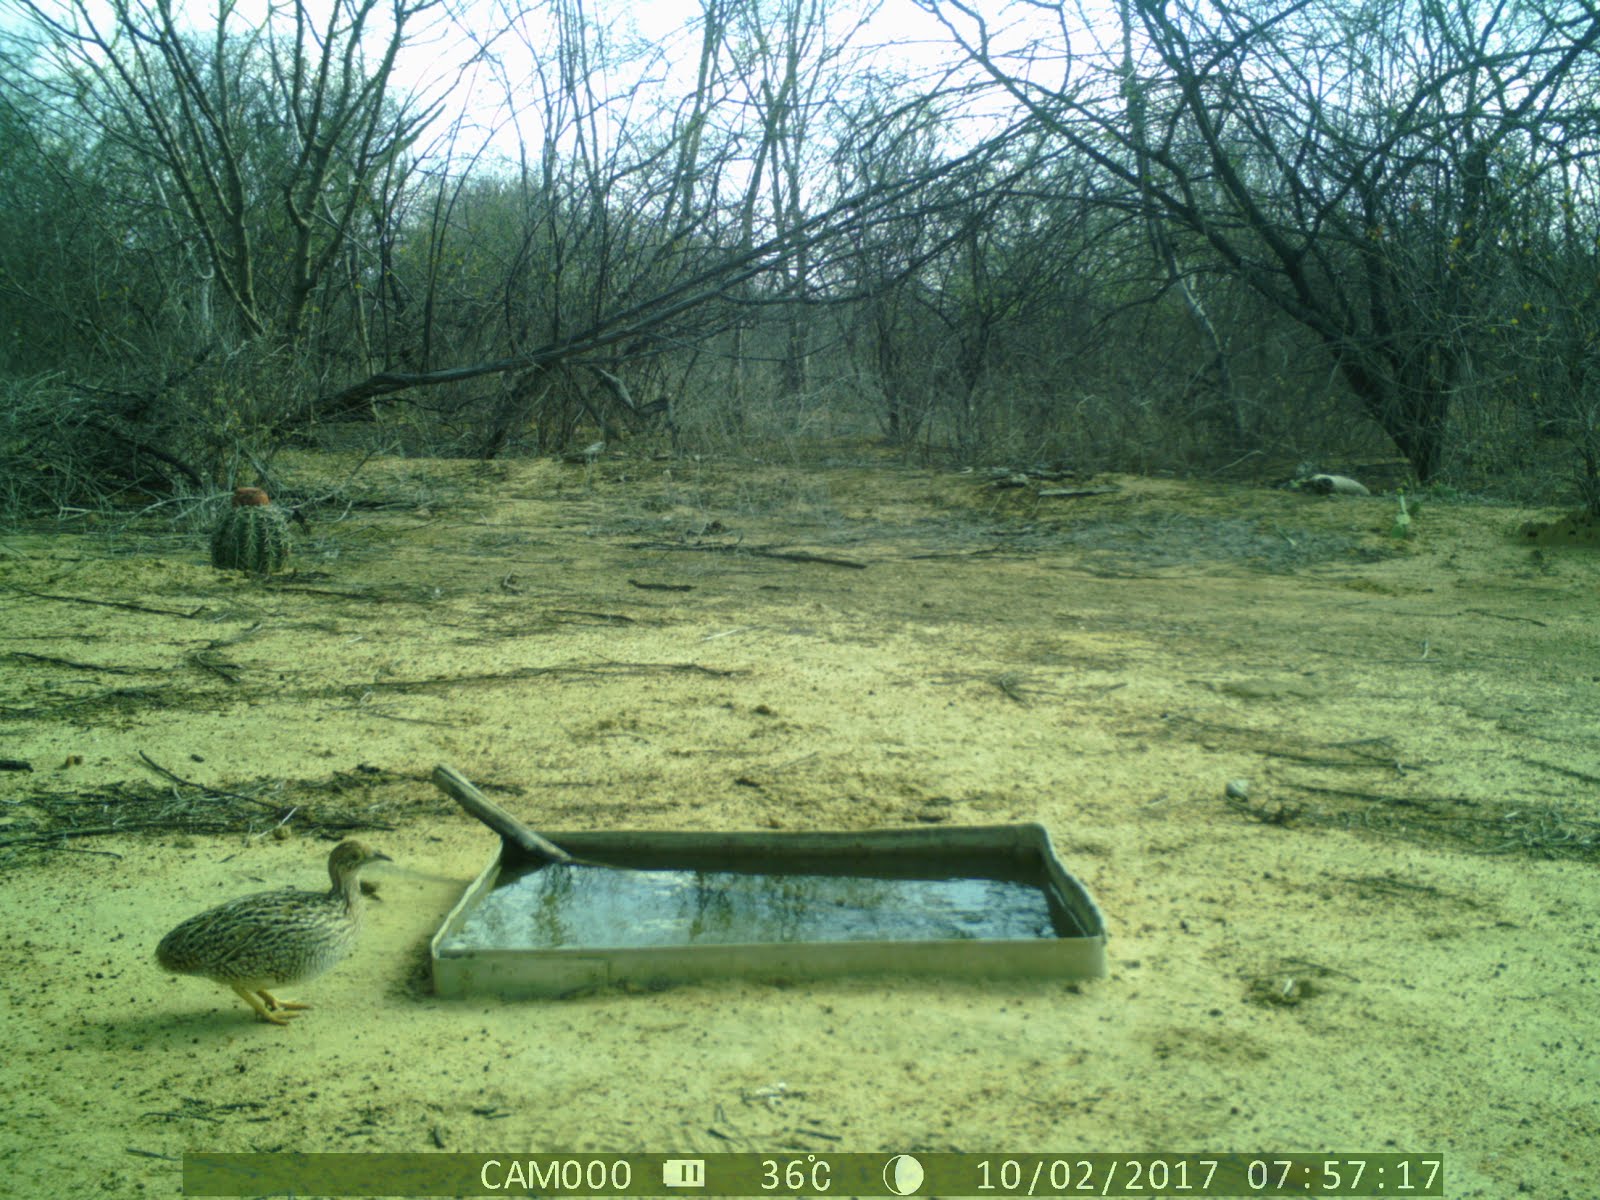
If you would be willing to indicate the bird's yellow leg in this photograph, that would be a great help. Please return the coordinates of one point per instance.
(262, 1011)
(274, 1002)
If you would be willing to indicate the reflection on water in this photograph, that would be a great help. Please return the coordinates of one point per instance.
(596, 907)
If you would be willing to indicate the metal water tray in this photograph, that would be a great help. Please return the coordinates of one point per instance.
(988, 901)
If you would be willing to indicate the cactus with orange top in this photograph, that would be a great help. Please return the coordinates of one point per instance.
(253, 535)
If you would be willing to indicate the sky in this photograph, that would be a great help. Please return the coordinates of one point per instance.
(467, 51)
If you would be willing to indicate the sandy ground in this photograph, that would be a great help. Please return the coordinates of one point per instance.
(1390, 945)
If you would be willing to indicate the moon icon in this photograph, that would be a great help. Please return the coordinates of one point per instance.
(902, 1174)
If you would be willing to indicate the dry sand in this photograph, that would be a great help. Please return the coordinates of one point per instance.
(1393, 944)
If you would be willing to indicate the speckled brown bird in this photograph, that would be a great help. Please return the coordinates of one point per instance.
(262, 942)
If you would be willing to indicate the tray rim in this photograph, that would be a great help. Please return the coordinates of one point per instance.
(1084, 955)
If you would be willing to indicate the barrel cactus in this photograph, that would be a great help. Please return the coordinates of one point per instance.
(253, 535)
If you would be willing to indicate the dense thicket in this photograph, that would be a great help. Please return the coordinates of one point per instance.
(1174, 234)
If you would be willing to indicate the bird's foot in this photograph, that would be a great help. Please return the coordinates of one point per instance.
(260, 1002)
(284, 1005)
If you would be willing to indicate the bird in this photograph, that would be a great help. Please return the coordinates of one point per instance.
(259, 943)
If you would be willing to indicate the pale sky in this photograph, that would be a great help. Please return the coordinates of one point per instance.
(440, 58)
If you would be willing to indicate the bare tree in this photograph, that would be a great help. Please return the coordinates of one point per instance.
(635, 225)
(272, 141)
(1339, 160)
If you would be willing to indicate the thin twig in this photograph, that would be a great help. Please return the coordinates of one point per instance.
(48, 660)
(210, 791)
(1559, 770)
(144, 608)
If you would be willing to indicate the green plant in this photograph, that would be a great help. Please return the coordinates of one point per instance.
(1402, 520)
(253, 535)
